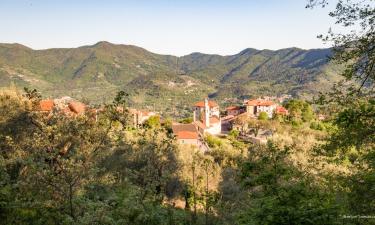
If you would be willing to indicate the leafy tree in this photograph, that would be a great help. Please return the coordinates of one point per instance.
(352, 102)
(153, 122)
(167, 124)
(213, 141)
(241, 121)
(307, 113)
(186, 120)
(300, 110)
(148, 161)
(263, 116)
(280, 193)
(234, 133)
(354, 49)
(257, 125)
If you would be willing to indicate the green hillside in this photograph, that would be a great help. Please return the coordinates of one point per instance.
(163, 82)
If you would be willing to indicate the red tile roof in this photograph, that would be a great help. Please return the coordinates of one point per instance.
(200, 124)
(187, 135)
(257, 102)
(185, 131)
(227, 118)
(234, 108)
(77, 107)
(46, 105)
(211, 104)
(281, 110)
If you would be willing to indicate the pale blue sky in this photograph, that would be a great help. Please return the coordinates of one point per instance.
(175, 27)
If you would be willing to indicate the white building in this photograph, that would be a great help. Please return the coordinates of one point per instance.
(206, 117)
(254, 107)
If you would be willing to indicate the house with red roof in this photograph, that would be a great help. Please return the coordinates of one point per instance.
(45, 106)
(206, 117)
(187, 134)
(65, 106)
(280, 110)
(255, 106)
(235, 110)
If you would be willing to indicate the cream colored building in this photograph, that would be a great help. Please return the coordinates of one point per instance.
(206, 117)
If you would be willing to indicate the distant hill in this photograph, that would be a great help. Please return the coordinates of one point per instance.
(164, 82)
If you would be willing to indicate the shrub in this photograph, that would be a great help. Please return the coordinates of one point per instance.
(296, 123)
(316, 125)
(153, 122)
(234, 133)
(263, 116)
(186, 120)
(213, 141)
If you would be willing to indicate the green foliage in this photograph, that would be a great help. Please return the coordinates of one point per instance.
(352, 103)
(300, 110)
(307, 113)
(213, 141)
(186, 120)
(153, 122)
(69, 171)
(263, 116)
(167, 124)
(317, 125)
(256, 125)
(281, 194)
(234, 133)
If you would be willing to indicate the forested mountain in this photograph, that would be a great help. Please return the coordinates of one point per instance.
(96, 72)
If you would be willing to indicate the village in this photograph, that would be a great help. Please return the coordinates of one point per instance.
(207, 118)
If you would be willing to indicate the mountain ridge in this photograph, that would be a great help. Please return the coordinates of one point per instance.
(97, 71)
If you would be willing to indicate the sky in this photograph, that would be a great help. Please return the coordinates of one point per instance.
(176, 27)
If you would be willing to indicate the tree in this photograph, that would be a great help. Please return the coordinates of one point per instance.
(280, 193)
(307, 113)
(256, 125)
(52, 157)
(153, 122)
(300, 110)
(354, 49)
(263, 116)
(352, 101)
(208, 168)
(241, 121)
(56, 169)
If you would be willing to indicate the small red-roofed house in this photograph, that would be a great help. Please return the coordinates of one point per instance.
(186, 134)
(45, 105)
(280, 110)
(235, 110)
(254, 107)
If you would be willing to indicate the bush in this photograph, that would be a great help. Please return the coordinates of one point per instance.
(316, 125)
(186, 120)
(263, 116)
(153, 122)
(213, 141)
(234, 133)
(296, 123)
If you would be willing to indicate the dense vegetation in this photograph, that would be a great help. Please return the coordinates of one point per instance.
(75, 170)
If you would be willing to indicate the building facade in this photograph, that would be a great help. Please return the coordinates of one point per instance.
(206, 117)
(254, 107)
